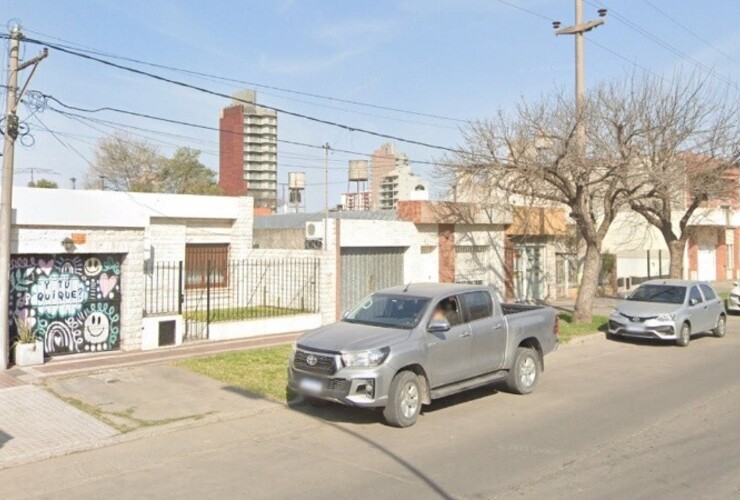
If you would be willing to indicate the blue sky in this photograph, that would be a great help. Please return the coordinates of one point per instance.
(458, 58)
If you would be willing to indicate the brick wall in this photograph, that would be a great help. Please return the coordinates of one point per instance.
(231, 151)
(446, 245)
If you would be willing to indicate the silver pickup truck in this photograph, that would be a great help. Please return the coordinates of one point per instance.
(405, 346)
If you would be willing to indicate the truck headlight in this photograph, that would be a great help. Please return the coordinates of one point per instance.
(365, 359)
(666, 317)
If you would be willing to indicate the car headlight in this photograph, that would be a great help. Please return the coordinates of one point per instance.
(365, 359)
(666, 317)
(616, 315)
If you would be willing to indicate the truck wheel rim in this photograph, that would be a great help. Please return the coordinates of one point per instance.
(527, 371)
(410, 400)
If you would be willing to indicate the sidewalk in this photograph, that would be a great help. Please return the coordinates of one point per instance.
(70, 405)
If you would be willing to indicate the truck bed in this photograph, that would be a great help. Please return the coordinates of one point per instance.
(510, 308)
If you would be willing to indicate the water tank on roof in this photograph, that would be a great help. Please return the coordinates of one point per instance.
(296, 180)
(358, 170)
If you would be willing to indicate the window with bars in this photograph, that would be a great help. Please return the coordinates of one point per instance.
(200, 258)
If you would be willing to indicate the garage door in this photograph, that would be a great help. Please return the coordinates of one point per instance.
(367, 269)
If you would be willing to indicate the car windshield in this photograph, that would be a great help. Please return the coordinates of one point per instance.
(390, 311)
(666, 294)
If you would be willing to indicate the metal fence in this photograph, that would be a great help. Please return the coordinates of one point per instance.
(232, 290)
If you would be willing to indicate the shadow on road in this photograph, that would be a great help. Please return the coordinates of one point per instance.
(4, 438)
(655, 342)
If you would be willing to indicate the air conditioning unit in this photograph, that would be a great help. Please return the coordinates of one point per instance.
(315, 230)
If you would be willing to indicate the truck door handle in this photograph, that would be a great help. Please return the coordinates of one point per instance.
(465, 335)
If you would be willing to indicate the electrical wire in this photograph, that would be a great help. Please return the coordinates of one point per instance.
(90, 50)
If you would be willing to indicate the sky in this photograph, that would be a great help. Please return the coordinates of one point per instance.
(459, 60)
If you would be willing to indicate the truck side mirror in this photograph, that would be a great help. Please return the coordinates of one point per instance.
(438, 326)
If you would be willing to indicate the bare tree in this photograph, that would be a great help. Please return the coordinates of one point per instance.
(126, 164)
(689, 146)
(535, 152)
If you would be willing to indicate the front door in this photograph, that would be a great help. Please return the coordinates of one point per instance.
(699, 308)
(449, 353)
(530, 277)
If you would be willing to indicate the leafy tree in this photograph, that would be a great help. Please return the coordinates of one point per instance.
(185, 174)
(43, 183)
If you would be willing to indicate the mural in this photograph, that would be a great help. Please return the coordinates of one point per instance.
(71, 301)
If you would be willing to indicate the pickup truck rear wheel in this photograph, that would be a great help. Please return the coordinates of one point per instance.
(525, 372)
(404, 400)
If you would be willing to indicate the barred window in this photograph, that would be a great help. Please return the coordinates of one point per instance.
(199, 258)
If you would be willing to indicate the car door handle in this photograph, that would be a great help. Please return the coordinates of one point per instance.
(498, 327)
(465, 335)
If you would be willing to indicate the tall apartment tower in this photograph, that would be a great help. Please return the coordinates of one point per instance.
(384, 160)
(248, 150)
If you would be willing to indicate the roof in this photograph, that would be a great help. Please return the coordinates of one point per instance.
(295, 221)
(673, 282)
(96, 208)
(433, 290)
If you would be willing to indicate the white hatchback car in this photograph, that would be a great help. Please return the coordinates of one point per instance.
(732, 304)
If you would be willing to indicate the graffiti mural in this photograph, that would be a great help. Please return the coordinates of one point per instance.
(72, 302)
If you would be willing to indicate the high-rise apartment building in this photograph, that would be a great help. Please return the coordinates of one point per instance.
(384, 160)
(248, 150)
(400, 185)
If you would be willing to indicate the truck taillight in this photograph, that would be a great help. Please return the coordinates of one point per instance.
(556, 327)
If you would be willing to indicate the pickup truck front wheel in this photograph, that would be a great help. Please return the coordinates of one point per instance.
(404, 400)
(525, 372)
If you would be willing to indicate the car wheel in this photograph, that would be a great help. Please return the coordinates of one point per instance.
(404, 400)
(721, 328)
(525, 372)
(684, 335)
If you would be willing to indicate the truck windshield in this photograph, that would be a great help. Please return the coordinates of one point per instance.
(666, 294)
(390, 311)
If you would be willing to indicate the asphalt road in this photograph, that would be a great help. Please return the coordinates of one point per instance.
(608, 420)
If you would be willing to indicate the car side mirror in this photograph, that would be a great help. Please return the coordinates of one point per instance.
(693, 302)
(438, 326)
(345, 314)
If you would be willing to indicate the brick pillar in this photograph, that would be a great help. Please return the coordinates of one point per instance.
(693, 257)
(721, 254)
(447, 257)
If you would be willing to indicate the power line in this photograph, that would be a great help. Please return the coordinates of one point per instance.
(690, 31)
(662, 43)
(524, 9)
(89, 50)
(226, 96)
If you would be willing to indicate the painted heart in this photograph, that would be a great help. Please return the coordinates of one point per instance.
(107, 284)
(46, 265)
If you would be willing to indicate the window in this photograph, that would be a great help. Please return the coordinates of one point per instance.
(695, 295)
(199, 258)
(391, 311)
(708, 292)
(479, 305)
(665, 294)
(448, 309)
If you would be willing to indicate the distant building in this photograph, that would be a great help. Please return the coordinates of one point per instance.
(400, 184)
(384, 160)
(358, 201)
(248, 151)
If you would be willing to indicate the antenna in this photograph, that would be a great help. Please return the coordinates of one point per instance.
(407, 287)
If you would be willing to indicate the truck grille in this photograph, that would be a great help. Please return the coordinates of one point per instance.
(324, 364)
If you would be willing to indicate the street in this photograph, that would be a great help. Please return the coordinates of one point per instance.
(608, 420)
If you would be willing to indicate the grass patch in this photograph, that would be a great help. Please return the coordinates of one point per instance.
(569, 330)
(263, 371)
(242, 313)
(724, 295)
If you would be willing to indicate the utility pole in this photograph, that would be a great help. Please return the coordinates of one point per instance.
(6, 202)
(74, 182)
(326, 194)
(578, 29)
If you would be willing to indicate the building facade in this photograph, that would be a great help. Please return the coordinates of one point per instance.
(401, 185)
(384, 160)
(248, 151)
(357, 201)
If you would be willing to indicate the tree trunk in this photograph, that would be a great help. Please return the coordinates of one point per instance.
(589, 284)
(676, 250)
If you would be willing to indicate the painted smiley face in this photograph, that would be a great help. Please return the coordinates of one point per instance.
(93, 266)
(96, 327)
